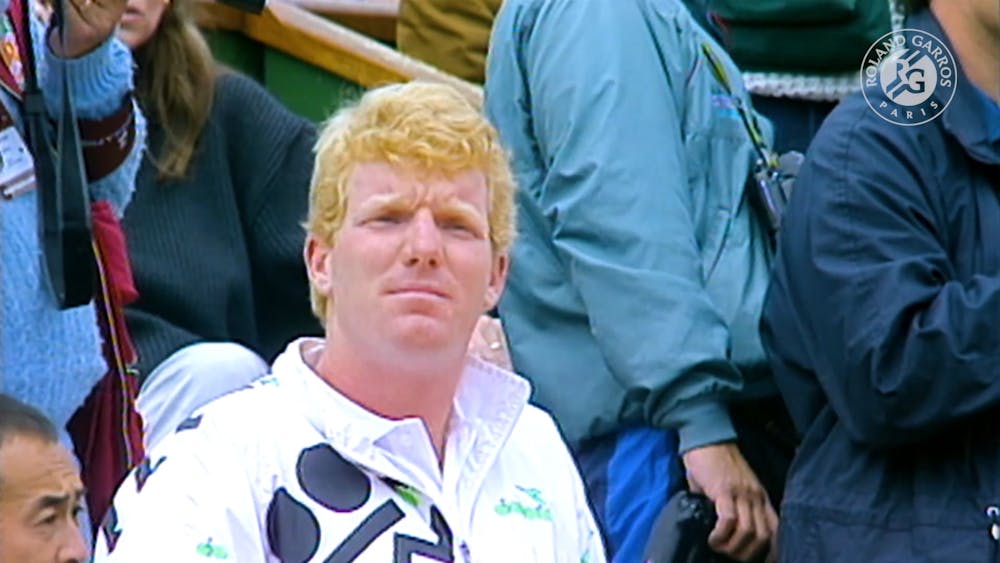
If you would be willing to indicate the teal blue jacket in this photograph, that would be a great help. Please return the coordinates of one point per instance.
(639, 273)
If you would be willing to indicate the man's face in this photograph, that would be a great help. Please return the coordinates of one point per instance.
(412, 267)
(40, 496)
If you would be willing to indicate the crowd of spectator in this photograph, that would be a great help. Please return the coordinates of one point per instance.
(516, 332)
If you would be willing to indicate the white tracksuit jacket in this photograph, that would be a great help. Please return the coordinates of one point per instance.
(290, 470)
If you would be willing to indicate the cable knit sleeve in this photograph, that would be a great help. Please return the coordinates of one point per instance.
(99, 81)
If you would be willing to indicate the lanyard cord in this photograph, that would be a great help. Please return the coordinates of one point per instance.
(64, 205)
(749, 122)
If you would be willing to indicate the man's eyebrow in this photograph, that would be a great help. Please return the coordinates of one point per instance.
(462, 210)
(52, 501)
(391, 202)
(58, 501)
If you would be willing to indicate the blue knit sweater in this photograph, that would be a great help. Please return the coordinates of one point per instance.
(51, 358)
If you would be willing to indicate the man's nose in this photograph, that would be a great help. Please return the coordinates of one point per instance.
(73, 548)
(424, 241)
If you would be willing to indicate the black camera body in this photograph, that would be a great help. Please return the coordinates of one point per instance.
(770, 188)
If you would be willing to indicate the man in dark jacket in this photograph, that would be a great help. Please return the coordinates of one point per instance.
(881, 318)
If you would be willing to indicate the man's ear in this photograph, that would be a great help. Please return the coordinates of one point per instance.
(498, 279)
(317, 257)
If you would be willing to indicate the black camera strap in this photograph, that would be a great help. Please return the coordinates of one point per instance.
(770, 182)
(764, 152)
(63, 200)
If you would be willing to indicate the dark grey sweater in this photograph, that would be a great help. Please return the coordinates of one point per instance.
(218, 256)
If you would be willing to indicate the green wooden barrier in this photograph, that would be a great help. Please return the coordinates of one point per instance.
(306, 89)
(311, 64)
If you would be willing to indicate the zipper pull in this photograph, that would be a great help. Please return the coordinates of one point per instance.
(994, 515)
(467, 555)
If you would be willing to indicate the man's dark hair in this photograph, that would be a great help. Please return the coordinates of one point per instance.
(19, 419)
(914, 6)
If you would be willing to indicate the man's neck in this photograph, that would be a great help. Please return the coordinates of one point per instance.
(393, 390)
(976, 42)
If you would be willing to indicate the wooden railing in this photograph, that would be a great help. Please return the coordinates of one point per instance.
(330, 46)
(374, 18)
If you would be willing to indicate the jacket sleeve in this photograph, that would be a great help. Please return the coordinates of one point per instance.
(593, 116)
(900, 346)
(187, 501)
(101, 81)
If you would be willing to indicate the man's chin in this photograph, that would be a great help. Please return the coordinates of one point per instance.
(420, 331)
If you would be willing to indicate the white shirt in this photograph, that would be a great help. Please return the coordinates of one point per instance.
(290, 470)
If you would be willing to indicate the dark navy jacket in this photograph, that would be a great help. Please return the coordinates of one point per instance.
(883, 326)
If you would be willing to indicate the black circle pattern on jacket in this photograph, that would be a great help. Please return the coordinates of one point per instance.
(338, 485)
(292, 530)
(331, 480)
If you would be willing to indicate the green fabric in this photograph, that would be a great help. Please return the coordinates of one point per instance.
(830, 45)
(787, 11)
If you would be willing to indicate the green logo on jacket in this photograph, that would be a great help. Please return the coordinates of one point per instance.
(212, 551)
(535, 508)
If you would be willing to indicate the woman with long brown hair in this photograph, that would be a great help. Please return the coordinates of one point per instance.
(213, 228)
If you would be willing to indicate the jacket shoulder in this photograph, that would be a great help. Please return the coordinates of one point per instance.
(239, 418)
(537, 435)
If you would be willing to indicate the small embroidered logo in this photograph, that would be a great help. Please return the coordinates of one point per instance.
(408, 493)
(212, 551)
(536, 509)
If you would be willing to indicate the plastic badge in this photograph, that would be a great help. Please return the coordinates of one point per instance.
(17, 167)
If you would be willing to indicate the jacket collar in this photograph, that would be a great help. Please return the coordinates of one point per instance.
(971, 117)
(486, 408)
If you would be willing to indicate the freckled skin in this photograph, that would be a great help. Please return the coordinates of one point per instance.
(402, 232)
(408, 274)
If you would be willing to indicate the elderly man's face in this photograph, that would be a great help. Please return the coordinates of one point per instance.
(40, 496)
(412, 267)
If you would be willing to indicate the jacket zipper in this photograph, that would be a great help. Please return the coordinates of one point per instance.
(993, 513)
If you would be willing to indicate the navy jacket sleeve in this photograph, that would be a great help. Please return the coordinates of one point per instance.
(899, 345)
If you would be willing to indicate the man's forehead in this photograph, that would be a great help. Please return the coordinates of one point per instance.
(32, 468)
(379, 178)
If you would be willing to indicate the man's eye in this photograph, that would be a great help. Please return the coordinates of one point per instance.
(456, 226)
(386, 219)
(459, 226)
